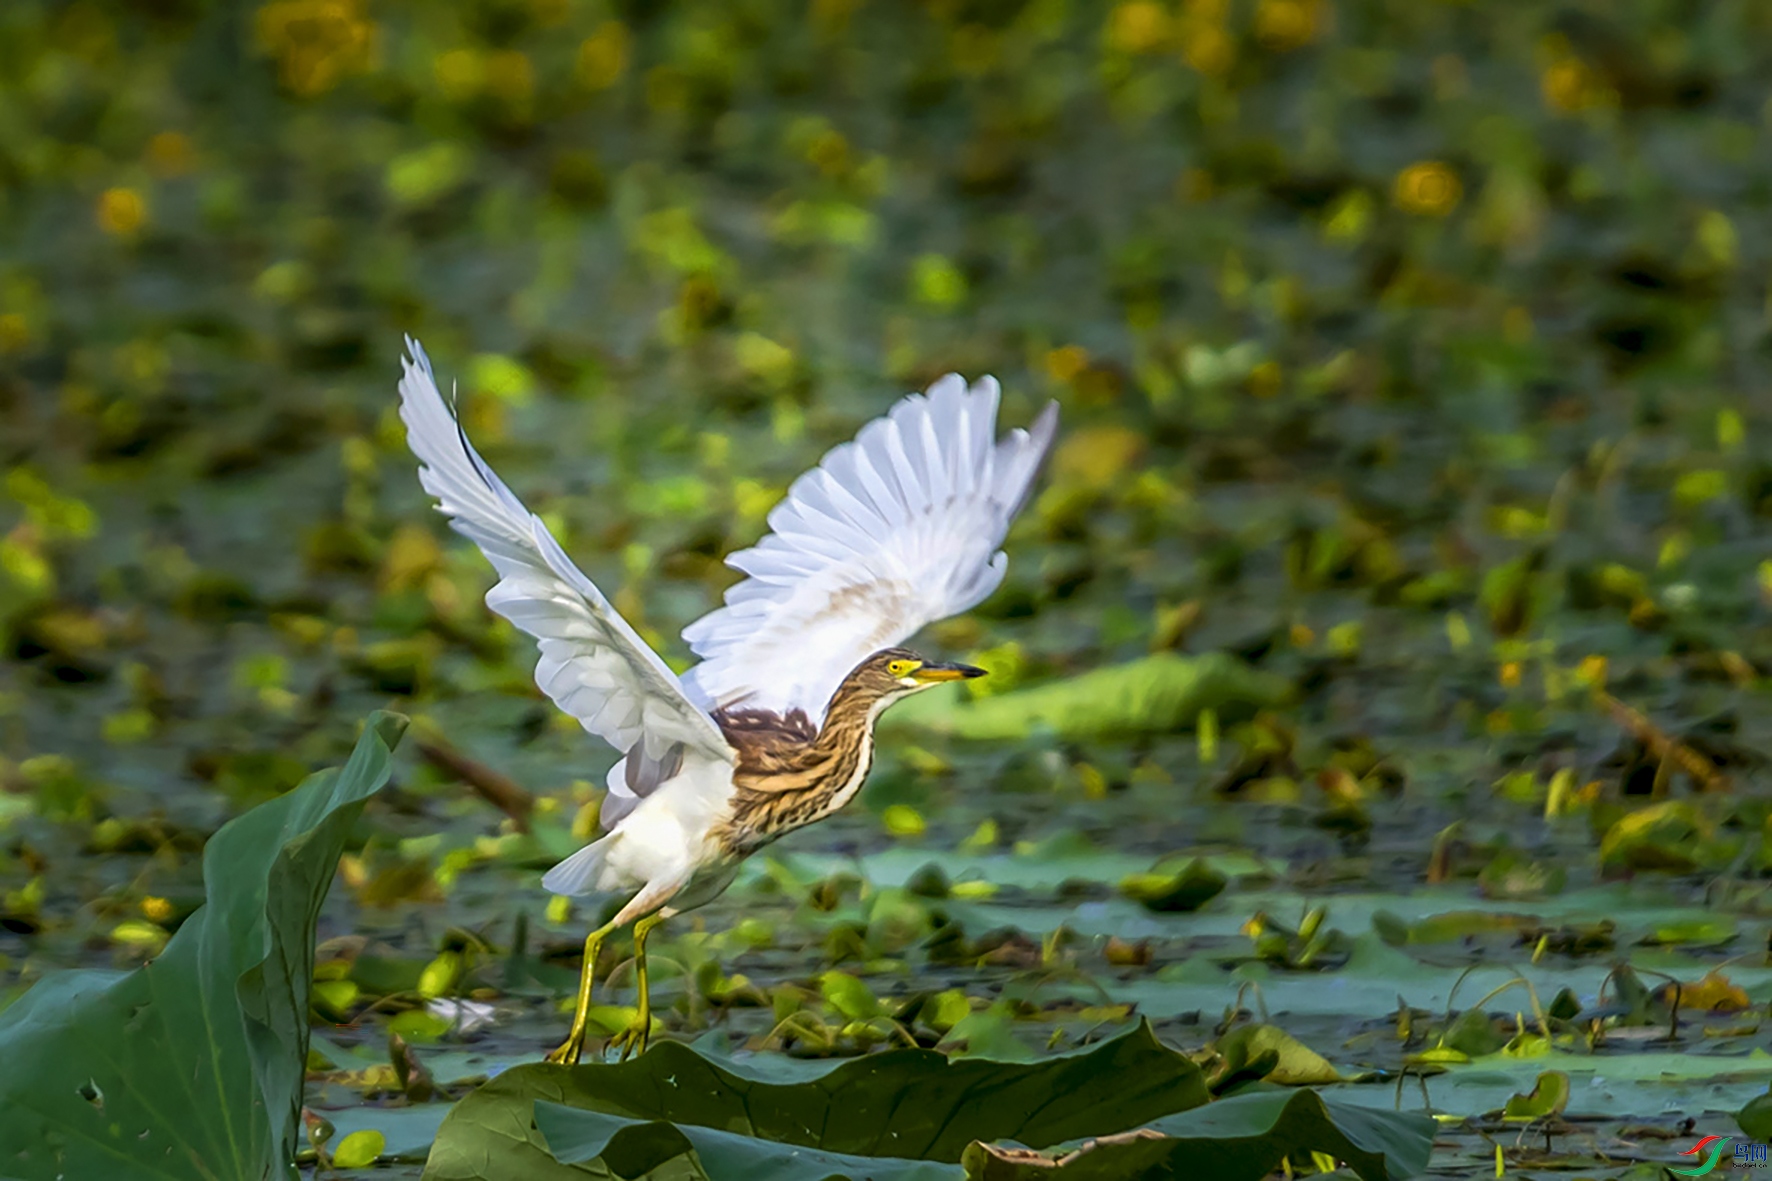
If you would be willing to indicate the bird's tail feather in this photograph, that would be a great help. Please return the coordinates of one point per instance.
(578, 874)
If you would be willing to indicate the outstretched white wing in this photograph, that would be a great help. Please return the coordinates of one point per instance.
(892, 531)
(593, 664)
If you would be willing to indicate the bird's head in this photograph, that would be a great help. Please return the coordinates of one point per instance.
(893, 673)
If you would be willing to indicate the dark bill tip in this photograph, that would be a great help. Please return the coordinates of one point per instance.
(947, 672)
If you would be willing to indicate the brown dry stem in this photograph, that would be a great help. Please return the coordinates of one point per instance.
(1663, 746)
(496, 788)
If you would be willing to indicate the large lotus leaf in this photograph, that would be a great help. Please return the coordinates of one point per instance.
(1247, 1135)
(1240, 1139)
(191, 1066)
(904, 1115)
(656, 1150)
(1154, 695)
(909, 1104)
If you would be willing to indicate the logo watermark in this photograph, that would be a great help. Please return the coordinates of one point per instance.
(1710, 1150)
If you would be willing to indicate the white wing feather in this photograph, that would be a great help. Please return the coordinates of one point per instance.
(593, 664)
(892, 531)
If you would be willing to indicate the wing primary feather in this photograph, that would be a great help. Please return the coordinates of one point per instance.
(591, 661)
(1039, 439)
(882, 489)
(892, 530)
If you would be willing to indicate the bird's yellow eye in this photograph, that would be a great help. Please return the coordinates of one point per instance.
(902, 668)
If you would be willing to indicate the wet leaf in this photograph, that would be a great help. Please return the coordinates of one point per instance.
(1755, 1117)
(1473, 1034)
(1284, 1058)
(1713, 994)
(1156, 694)
(633, 1148)
(1548, 1097)
(1673, 836)
(945, 1010)
(440, 975)
(217, 1025)
(848, 996)
(1186, 889)
(853, 1107)
(714, 1120)
(358, 1149)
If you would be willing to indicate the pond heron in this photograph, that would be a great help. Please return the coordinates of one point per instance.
(774, 729)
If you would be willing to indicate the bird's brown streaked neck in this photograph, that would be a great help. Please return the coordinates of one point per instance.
(852, 712)
(788, 774)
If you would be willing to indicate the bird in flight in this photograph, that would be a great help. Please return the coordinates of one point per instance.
(774, 729)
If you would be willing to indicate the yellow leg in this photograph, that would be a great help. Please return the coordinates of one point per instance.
(633, 1039)
(568, 1052)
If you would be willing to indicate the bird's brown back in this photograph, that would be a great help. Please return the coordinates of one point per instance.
(763, 734)
(787, 773)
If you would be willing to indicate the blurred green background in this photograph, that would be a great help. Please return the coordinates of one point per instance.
(1415, 352)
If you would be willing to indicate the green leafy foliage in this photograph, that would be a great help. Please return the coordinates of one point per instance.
(358, 1149)
(1186, 888)
(630, 1148)
(1673, 836)
(1267, 1053)
(1548, 1097)
(1755, 1117)
(1413, 356)
(192, 1065)
(1153, 695)
(900, 1114)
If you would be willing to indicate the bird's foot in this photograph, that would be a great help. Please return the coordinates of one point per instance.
(634, 1037)
(567, 1052)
